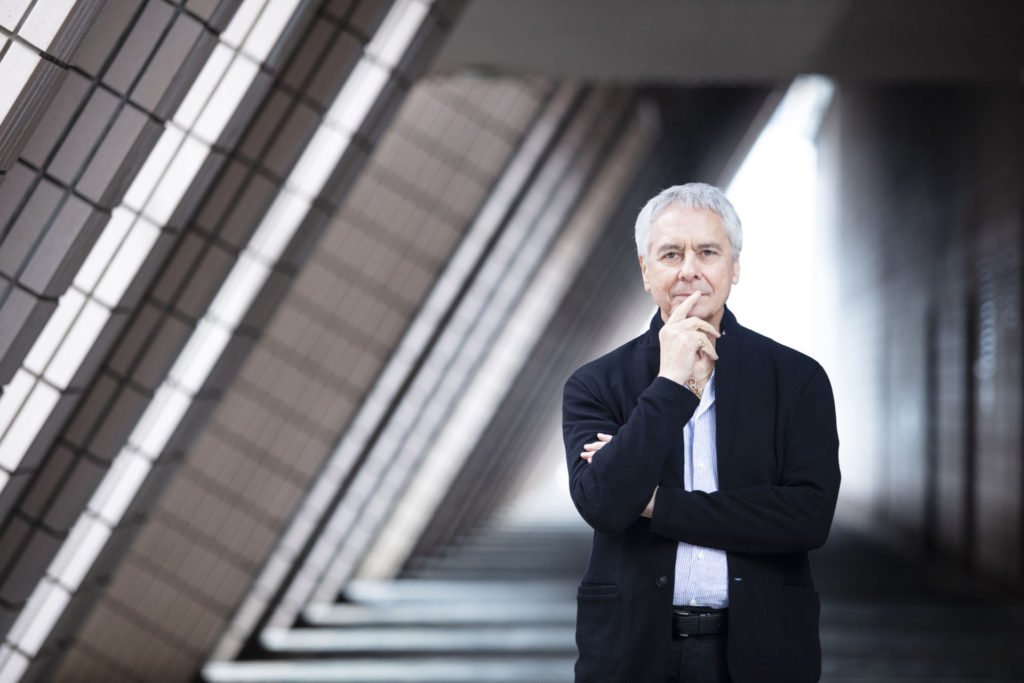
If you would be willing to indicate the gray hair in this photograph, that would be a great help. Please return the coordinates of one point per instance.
(690, 196)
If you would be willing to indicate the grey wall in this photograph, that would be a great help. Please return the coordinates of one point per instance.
(924, 200)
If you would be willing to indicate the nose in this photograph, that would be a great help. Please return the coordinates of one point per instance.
(688, 267)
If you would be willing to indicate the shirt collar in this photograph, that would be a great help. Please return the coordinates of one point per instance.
(707, 397)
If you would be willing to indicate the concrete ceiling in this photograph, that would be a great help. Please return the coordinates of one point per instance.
(741, 41)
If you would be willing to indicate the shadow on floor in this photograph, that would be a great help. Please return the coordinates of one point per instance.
(500, 606)
(887, 618)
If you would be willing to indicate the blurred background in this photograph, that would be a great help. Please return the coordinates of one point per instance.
(289, 289)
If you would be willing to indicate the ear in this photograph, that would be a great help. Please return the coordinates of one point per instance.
(643, 272)
(736, 271)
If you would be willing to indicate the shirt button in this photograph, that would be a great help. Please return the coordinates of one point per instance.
(661, 582)
(701, 554)
(693, 602)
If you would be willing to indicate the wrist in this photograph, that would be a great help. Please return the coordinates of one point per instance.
(679, 378)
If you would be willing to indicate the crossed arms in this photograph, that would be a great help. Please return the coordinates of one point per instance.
(789, 510)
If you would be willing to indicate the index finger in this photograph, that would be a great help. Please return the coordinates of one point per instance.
(682, 310)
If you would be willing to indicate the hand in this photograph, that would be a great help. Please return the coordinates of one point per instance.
(684, 341)
(594, 446)
(602, 441)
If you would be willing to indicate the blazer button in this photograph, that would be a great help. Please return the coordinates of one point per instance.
(661, 582)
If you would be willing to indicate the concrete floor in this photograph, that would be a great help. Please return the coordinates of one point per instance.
(888, 618)
(500, 607)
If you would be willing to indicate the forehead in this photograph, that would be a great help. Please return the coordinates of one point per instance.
(679, 223)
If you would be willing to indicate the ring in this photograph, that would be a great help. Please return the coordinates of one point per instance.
(700, 344)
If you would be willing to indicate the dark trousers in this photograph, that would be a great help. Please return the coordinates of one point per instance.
(699, 659)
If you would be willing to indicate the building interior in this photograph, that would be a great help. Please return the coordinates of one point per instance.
(289, 290)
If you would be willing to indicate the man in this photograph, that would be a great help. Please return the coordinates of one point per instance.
(705, 457)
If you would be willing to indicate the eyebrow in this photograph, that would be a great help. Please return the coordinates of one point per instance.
(700, 247)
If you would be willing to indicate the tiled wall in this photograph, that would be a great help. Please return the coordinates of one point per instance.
(924, 195)
(226, 95)
(119, 71)
(267, 438)
(429, 186)
(81, 127)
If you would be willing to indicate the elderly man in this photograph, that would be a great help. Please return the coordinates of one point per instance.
(705, 457)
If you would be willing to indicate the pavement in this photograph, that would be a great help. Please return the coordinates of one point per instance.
(500, 606)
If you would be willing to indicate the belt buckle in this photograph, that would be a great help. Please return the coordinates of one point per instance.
(688, 613)
(705, 622)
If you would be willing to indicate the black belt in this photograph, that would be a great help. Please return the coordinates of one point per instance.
(698, 621)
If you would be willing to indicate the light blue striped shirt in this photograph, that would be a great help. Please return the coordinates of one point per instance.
(702, 574)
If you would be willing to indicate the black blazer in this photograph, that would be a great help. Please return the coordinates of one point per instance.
(778, 475)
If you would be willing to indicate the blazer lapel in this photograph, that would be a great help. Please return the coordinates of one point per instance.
(727, 401)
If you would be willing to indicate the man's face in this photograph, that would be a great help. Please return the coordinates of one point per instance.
(689, 252)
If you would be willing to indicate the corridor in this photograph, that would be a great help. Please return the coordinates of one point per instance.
(499, 606)
(290, 289)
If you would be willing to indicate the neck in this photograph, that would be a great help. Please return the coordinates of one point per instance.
(716, 319)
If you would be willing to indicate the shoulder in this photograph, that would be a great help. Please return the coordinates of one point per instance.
(631, 359)
(606, 379)
(614, 361)
(612, 383)
(755, 342)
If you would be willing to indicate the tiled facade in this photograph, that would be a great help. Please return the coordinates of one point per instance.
(179, 124)
(267, 438)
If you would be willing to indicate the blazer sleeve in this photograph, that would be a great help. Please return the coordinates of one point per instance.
(792, 515)
(612, 491)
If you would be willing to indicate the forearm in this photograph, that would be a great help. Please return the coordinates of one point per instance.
(760, 519)
(612, 491)
(791, 513)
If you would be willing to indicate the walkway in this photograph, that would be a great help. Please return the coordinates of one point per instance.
(500, 607)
